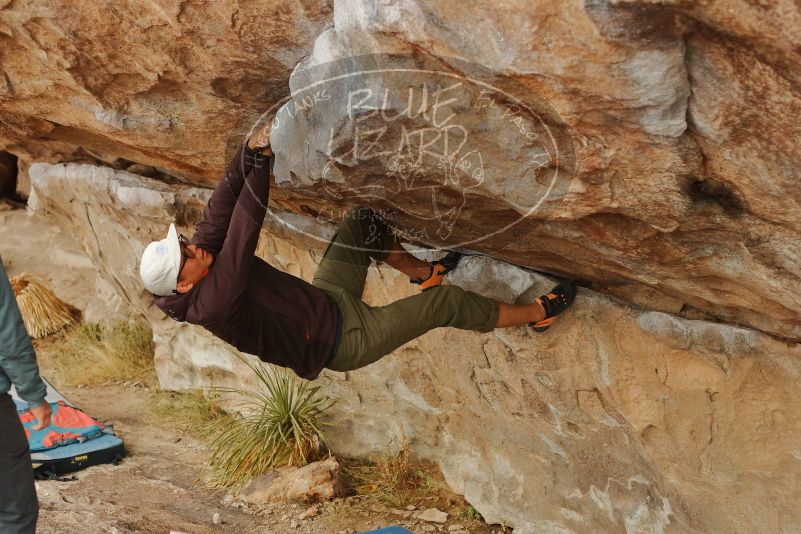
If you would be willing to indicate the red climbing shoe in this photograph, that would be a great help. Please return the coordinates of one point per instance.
(439, 268)
(554, 302)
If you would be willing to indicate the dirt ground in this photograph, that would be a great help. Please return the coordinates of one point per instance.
(157, 488)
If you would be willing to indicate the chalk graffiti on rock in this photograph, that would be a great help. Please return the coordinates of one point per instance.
(420, 137)
(428, 140)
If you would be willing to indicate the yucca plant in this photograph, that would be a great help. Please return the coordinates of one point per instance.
(277, 426)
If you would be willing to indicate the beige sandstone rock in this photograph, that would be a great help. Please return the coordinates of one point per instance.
(684, 165)
(159, 83)
(678, 123)
(32, 244)
(677, 120)
(432, 515)
(317, 481)
(619, 418)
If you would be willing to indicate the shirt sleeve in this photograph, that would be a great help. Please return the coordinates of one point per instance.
(229, 275)
(17, 356)
(212, 230)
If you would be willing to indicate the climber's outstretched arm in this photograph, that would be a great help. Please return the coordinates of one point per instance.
(229, 278)
(212, 229)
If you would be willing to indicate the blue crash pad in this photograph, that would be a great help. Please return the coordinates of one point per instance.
(388, 530)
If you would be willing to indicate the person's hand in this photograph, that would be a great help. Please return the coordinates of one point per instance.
(42, 412)
(260, 139)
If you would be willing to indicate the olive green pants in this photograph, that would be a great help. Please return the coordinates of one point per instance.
(370, 332)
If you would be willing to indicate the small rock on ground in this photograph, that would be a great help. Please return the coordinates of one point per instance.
(310, 512)
(402, 513)
(433, 515)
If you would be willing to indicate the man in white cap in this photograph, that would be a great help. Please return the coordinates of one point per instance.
(217, 282)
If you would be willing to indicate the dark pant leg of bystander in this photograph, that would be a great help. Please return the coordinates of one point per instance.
(19, 508)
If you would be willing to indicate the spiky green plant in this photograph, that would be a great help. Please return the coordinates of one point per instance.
(470, 513)
(278, 425)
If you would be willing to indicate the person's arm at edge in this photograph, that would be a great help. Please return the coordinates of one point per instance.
(17, 355)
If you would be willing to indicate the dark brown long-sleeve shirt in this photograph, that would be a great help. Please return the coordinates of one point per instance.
(243, 300)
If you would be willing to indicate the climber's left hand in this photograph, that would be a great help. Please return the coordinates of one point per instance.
(260, 139)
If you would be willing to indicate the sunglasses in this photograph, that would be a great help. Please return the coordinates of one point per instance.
(186, 252)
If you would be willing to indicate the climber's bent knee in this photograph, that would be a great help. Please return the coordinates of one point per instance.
(365, 229)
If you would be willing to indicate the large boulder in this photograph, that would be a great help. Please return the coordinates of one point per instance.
(618, 418)
(675, 124)
(666, 399)
(668, 130)
(163, 84)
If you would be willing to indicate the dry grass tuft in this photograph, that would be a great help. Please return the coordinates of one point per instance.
(190, 411)
(42, 311)
(96, 354)
(395, 481)
(91, 354)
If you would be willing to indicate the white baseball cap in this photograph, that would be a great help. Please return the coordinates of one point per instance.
(161, 263)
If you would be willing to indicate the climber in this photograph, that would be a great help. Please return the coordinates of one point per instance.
(217, 282)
